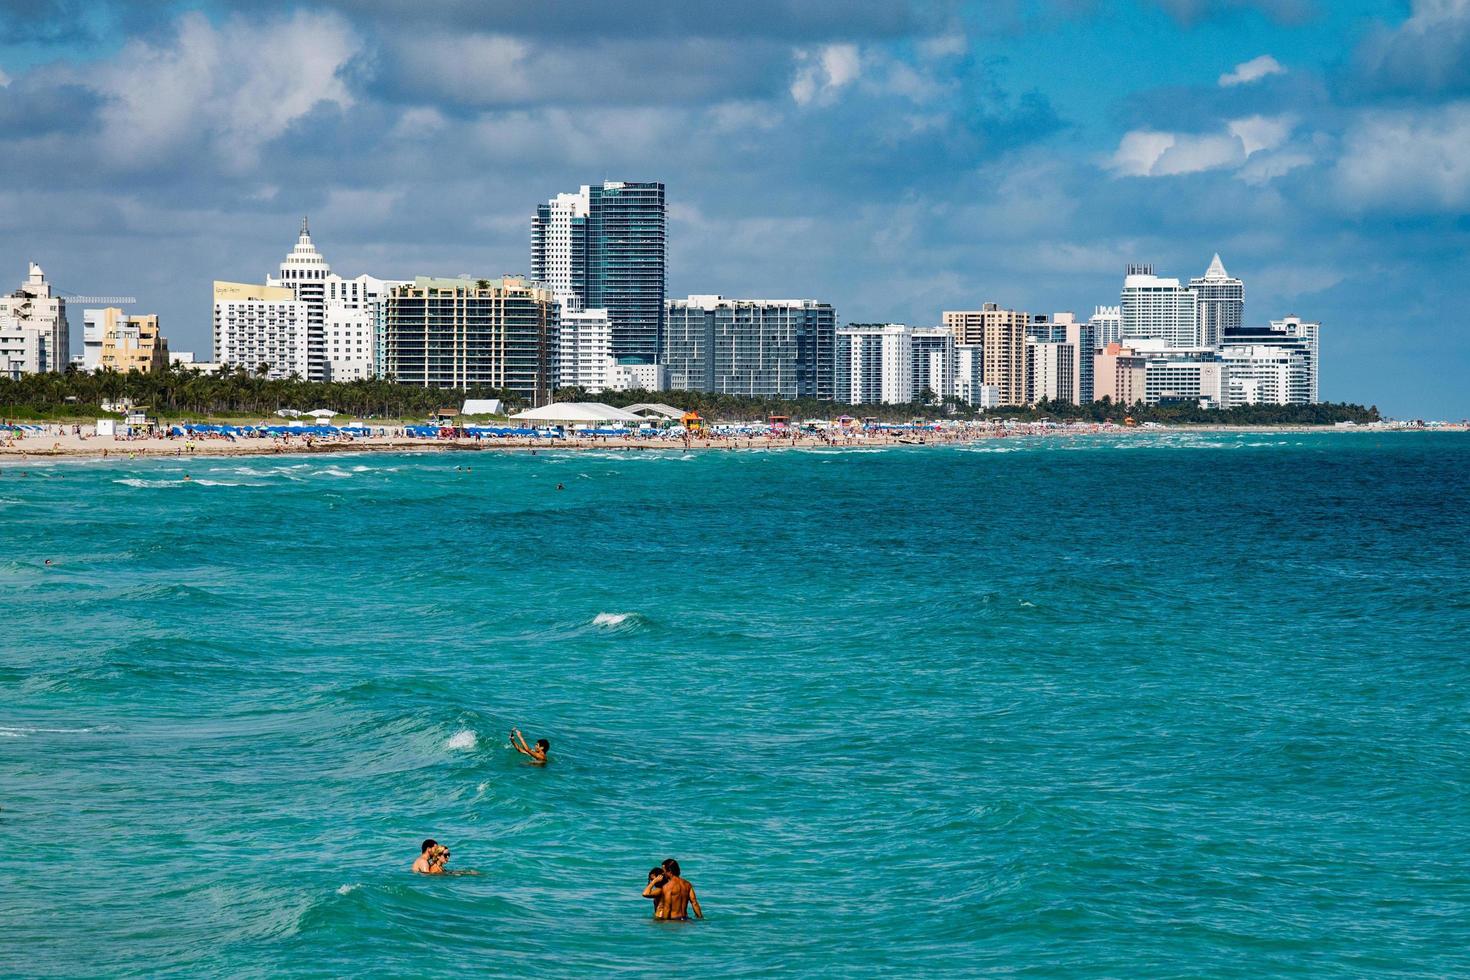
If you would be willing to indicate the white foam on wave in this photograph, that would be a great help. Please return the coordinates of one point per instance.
(333, 471)
(348, 889)
(12, 731)
(463, 739)
(221, 483)
(610, 619)
(146, 484)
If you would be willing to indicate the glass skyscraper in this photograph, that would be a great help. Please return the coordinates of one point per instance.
(604, 247)
(773, 348)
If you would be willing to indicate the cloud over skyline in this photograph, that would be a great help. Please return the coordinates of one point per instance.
(896, 159)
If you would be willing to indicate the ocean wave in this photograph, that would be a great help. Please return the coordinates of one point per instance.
(142, 484)
(22, 731)
(463, 739)
(620, 622)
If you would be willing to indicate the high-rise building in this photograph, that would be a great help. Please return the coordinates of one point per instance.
(96, 323)
(1107, 325)
(1290, 333)
(1002, 334)
(133, 343)
(1073, 367)
(36, 337)
(1051, 371)
(934, 363)
(773, 348)
(1266, 375)
(463, 333)
(1083, 338)
(1187, 375)
(584, 351)
(874, 364)
(260, 327)
(304, 271)
(1220, 302)
(969, 373)
(352, 342)
(1154, 308)
(1119, 374)
(604, 247)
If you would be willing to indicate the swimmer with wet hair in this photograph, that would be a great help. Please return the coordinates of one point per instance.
(537, 754)
(428, 862)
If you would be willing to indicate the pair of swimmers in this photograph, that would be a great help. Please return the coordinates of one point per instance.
(434, 860)
(672, 895)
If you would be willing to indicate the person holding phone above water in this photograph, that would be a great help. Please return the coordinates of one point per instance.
(537, 754)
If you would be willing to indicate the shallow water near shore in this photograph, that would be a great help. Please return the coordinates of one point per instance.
(1094, 706)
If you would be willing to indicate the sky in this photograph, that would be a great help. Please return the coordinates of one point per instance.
(895, 158)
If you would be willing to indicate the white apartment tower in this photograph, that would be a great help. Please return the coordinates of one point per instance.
(259, 327)
(33, 330)
(1107, 325)
(352, 340)
(304, 271)
(1154, 308)
(874, 364)
(1051, 371)
(934, 362)
(584, 350)
(1220, 300)
(560, 259)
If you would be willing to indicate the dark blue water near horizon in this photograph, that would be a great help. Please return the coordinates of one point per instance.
(1148, 705)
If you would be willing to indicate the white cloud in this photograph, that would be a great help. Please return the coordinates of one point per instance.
(1258, 133)
(1191, 153)
(1138, 151)
(1151, 153)
(821, 74)
(1408, 158)
(1266, 167)
(4, 78)
(1252, 71)
(238, 86)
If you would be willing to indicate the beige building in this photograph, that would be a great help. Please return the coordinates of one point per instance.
(1119, 374)
(132, 343)
(1001, 335)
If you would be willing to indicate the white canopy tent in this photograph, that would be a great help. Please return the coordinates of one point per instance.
(576, 413)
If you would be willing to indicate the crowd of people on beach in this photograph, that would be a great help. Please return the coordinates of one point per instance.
(673, 895)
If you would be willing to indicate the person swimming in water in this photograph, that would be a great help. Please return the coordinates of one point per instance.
(677, 895)
(537, 754)
(429, 862)
(654, 890)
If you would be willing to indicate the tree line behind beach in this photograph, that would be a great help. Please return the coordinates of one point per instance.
(188, 392)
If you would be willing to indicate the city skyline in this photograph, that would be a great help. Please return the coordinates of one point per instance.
(1024, 180)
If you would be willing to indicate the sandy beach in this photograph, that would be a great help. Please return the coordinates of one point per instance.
(61, 442)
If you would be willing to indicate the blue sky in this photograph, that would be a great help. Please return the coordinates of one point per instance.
(894, 158)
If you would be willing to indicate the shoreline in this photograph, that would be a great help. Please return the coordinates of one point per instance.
(69, 446)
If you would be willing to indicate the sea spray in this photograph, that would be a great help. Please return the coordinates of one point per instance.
(462, 740)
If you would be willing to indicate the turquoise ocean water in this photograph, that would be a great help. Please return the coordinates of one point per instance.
(1145, 706)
